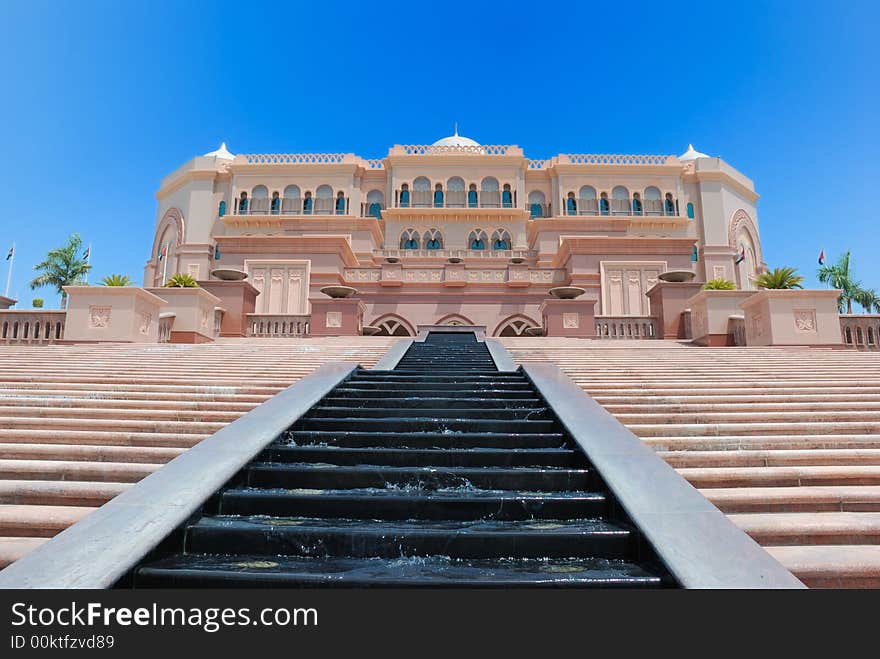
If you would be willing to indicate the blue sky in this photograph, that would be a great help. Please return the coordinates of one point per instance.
(103, 99)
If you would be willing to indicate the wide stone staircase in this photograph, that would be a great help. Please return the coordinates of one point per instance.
(81, 423)
(441, 472)
(786, 441)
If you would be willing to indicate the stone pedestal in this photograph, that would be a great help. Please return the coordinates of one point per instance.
(787, 318)
(7, 302)
(193, 310)
(238, 298)
(112, 313)
(336, 316)
(668, 300)
(575, 317)
(710, 316)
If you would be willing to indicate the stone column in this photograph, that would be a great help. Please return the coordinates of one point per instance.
(569, 317)
(668, 300)
(336, 316)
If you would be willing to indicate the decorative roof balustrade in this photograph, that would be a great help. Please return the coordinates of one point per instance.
(615, 159)
(296, 158)
(455, 149)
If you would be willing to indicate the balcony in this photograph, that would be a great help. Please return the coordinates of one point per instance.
(457, 253)
(31, 326)
(294, 206)
(453, 199)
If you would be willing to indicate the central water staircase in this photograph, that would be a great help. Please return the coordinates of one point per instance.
(443, 471)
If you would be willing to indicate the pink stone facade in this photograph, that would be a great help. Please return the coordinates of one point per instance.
(456, 232)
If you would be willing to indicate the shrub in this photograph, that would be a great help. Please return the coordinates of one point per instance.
(780, 279)
(37, 303)
(116, 280)
(719, 285)
(181, 280)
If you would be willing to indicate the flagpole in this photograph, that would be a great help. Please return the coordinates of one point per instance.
(9, 274)
(88, 261)
(165, 264)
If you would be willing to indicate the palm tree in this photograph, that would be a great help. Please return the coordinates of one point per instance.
(840, 277)
(780, 278)
(868, 299)
(63, 266)
(116, 280)
(719, 285)
(181, 280)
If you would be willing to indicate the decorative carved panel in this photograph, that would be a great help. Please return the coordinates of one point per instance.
(571, 320)
(805, 320)
(334, 319)
(283, 286)
(99, 317)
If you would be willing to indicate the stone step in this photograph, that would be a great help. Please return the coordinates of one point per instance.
(764, 442)
(832, 566)
(297, 536)
(780, 476)
(110, 424)
(436, 571)
(772, 458)
(98, 414)
(452, 504)
(18, 520)
(117, 472)
(395, 414)
(426, 439)
(796, 499)
(837, 528)
(59, 493)
(427, 424)
(759, 428)
(8, 403)
(120, 437)
(87, 453)
(11, 549)
(316, 475)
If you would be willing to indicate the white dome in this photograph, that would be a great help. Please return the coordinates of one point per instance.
(456, 140)
(222, 153)
(692, 154)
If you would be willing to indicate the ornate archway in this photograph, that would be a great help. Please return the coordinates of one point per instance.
(393, 325)
(742, 236)
(454, 319)
(515, 325)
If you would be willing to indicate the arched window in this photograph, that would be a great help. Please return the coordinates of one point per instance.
(472, 196)
(506, 196)
(570, 204)
(291, 202)
(515, 326)
(848, 333)
(375, 203)
(501, 240)
(858, 334)
(433, 239)
(690, 210)
(340, 203)
(637, 204)
(477, 240)
(587, 203)
(670, 204)
(620, 204)
(653, 201)
(324, 200)
(871, 336)
(409, 239)
(455, 195)
(536, 203)
(259, 199)
(422, 193)
(392, 326)
(694, 254)
(276, 203)
(438, 195)
(404, 196)
(243, 204)
(489, 195)
(222, 209)
(308, 204)
(604, 205)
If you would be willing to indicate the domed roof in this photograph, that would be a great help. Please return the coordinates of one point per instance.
(692, 154)
(456, 140)
(222, 153)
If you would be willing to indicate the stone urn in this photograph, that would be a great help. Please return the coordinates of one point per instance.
(392, 259)
(567, 292)
(229, 274)
(338, 292)
(370, 330)
(454, 259)
(677, 275)
(516, 260)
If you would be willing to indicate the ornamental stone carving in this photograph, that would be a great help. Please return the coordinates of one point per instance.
(144, 324)
(571, 320)
(805, 320)
(334, 319)
(99, 317)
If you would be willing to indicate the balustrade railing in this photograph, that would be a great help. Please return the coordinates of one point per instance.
(31, 327)
(626, 327)
(277, 325)
(459, 253)
(737, 328)
(859, 331)
(293, 206)
(166, 323)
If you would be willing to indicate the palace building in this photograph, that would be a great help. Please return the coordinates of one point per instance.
(456, 232)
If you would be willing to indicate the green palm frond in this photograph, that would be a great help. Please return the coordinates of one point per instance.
(780, 278)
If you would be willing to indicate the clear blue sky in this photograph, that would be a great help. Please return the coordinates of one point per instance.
(103, 99)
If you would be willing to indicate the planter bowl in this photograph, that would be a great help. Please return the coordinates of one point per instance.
(338, 291)
(454, 259)
(392, 259)
(677, 275)
(229, 274)
(567, 292)
(517, 260)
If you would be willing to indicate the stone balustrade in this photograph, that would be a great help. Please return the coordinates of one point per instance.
(166, 323)
(31, 326)
(860, 331)
(626, 327)
(277, 325)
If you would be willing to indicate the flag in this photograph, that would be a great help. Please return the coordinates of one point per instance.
(87, 253)
(164, 252)
(742, 255)
(822, 257)
(11, 252)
